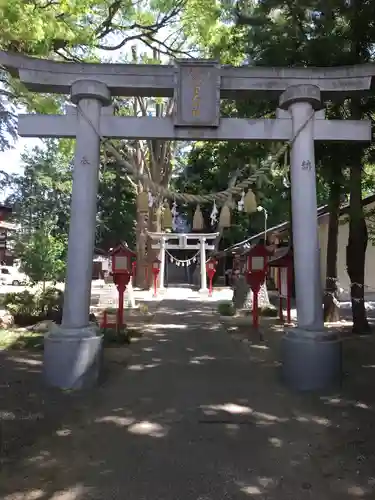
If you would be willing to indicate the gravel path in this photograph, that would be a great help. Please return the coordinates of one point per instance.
(198, 415)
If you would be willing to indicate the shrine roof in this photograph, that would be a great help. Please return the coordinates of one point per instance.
(283, 227)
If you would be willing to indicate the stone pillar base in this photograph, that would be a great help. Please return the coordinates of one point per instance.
(311, 360)
(203, 291)
(72, 358)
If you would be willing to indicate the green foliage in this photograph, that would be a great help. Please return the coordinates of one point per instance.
(279, 33)
(28, 308)
(113, 337)
(92, 31)
(50, 301)
(21, 304)
(40, 196)
(143, 308)
(42, 255)
(73, 28)
(116, 209)
(269, 311)
(8, 119)
(226, 309)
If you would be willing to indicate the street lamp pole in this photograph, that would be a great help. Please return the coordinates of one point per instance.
(262, 209)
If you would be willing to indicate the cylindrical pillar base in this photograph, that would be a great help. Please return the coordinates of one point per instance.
(72, 359)
(311, 361)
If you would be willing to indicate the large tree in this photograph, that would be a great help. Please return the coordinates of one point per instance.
(114, 30)
(282, 32)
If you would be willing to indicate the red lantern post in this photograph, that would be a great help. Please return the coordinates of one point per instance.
(211, 270)
(284, 279)
(257, 263)
(122, 270)
(155, 271)
(284, 266)
(134, 270)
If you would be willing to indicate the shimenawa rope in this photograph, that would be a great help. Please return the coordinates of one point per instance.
(221, 196)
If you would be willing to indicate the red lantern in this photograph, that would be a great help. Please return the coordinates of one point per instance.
(122, 270)
(256, 270)
(211, 270)
(283, 262)
(155, 271)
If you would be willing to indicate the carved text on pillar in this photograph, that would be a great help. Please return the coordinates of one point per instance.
(306, 165)
(85, 161)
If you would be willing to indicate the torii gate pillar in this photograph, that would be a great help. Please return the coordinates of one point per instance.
(311, 355)
(72, 351)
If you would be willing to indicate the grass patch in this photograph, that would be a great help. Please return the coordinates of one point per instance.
(269, 311)
(17, 338)
(21, 339)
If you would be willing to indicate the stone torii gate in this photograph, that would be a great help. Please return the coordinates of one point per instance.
(181, 241)
(72, 353)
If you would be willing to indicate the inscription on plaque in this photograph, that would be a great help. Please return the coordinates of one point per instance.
(197, 94)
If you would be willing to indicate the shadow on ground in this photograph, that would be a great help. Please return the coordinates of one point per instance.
(199, 415)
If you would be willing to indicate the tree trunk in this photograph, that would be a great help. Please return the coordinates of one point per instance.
(141, 241)
(330, 301)
(357, 242)
(150, 221)
(243, 296)
(154, 225)
(356, 251)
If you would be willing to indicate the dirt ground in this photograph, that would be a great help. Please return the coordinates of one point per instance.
(29, 410)
(347, 458)
(328, 438)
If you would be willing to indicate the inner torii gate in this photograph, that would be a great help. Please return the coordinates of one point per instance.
(311, 358)
(181, 241)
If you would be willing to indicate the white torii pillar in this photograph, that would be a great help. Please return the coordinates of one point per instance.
(203, 288)
(300, 102)
(162, 257)
(311, 356)
(72, 352)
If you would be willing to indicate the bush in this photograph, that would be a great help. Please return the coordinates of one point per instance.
(51, 304)
(143, 308)
(226, 309)
(111, 336)
(23, 307)
(269, 311)
(28, 309)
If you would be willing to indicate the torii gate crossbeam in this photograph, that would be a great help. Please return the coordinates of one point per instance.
(230, 129)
